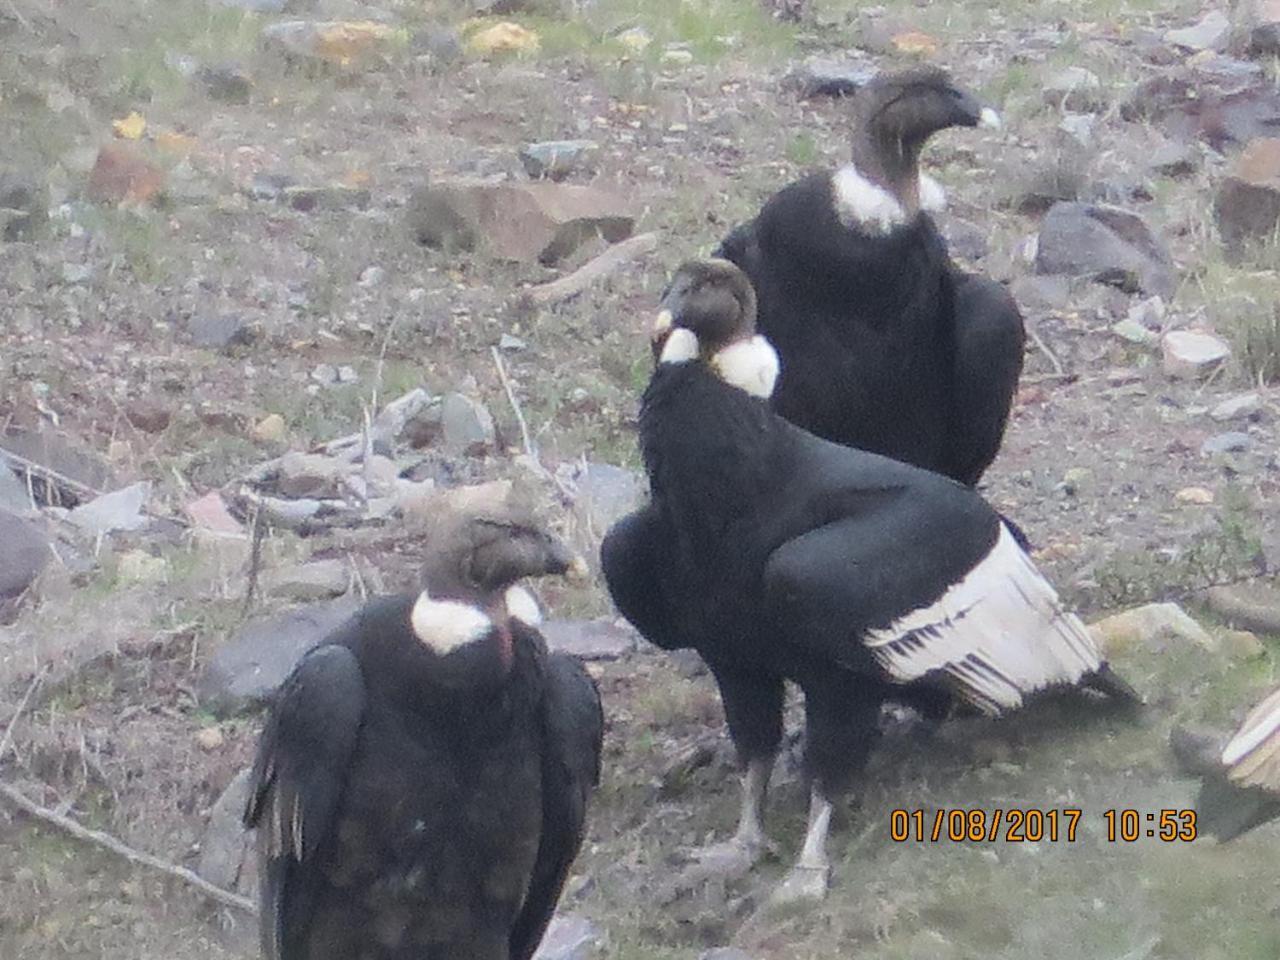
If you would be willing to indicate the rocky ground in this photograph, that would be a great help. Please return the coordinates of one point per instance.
(283, 267)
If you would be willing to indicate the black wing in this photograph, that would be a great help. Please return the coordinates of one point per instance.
(916, 572)
(297, 783)
(573, 724)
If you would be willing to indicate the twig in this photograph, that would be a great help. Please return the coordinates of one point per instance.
(529, 448)
(617, 256)
(255, 558)
(1049, 354)
(108, 842)
(7, 739)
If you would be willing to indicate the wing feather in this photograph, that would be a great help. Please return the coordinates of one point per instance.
(1252, 755)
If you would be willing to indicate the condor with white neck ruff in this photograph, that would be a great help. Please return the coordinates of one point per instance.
(421, 783)
(885, 344)
(781, 556)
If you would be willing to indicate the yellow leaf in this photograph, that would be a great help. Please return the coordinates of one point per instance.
(915, 42)
(131, 127)
(344, 41)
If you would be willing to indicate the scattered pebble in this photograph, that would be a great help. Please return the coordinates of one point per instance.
(270, 429)
(1195, 495)
(1234, 442)
(1246, 406)
(1191, 353)
(209, 738)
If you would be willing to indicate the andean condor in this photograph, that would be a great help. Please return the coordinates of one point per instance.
(781, 556)
(421, 783)
(885, 344)
(1240, 783)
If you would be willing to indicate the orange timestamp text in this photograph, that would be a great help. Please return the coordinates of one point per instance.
(1033, 825)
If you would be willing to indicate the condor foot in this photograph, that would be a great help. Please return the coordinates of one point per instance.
(730, 860)
(803, 885)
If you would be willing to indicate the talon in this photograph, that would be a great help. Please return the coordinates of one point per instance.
(803, 885)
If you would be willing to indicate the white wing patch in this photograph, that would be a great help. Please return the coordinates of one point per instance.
(750, 365)
(1000, 633)
(521, 605)
(1252, 755)
(932, 196)
(859, 202)
(445, 625)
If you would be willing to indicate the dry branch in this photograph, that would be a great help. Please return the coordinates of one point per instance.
(616, 257)
(108, 842)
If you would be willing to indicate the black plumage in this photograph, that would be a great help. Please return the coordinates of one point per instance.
(886, 345)
(1239, 780)
(781, 556)
(421, 784)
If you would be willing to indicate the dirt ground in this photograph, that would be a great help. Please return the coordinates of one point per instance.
(94, 313)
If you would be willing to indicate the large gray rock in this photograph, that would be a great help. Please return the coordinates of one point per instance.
(600, 639)
(827, 77)
(247, 669)
(14, 495)
(1210, 32)
(569, 937)
(303, 582)
(60, 454)
(1247, 206)
(556, 159)
(605, 494)
(24, 552)
(466, 425)
(225, 849)
(118, 510)
(1104, 242)
(219, 331)
(517, 221)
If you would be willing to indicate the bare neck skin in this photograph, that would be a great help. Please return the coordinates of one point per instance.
(889, 162)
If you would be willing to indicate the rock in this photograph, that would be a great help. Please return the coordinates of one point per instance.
(635, 39)
(226, 849)
(147, 415)
(310, 475)
(1079, 127)
(1129, 329)
(1075, 89)
(1263, 33)
(1192, 353)
(14, 495)
(57, 452)
(210, 739)
(556, 159)
(1150, 626)
(290, 513)
(247, 669)
(269, 186)
(522, 222)
(371, 276)
(270, 429)
(399, 422)
(1247, 606)
(1173, 159)
(220, 331)
(569, 937)
(1195, 495)
(676, 56)
(336, 196)
(724, 953)
(827, 77)
(24, 552)
(24, 206)
(1210, 32)
(914, 43)
(225, 82)
(1040, 294)
(348, 374)
(1247, 205)
(604, 494)
(1100, 241)
(342, 43)
(1226, 443)
(1241, 644)
(466, 425)
(1244, 406)
(508, 343)
(122, 174)
(503, 38)
(255, 6)
(118, 510)
(325, 374)
(964, 239)
(210, 513)
(305, 582)
(599, 639)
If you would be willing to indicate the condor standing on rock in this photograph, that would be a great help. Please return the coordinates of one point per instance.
(421, 784)
(780, 556)
(885, 344)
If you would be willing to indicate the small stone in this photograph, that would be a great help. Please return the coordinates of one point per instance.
(677, 56)
(1241, 644)
(914, 43)
(325, 374)
(1150, 626)
(1079, 127)
(1075, 89)
(147, 415)
(24, 552)
(1247, 606)
(1264, 28)
(371, 276)
(1247, 205)
(825, 77)
(75, 273)
(226, 83)
(1102, 241)
(1174, 159)
(342, 43)
(122, 174)
(1041, 293)
(347, 374)
(209, 738)
(226, 848)
(1245, 406)
(510, 343)
(599, 639)
(1191, 353)
(517, 221)
(24, 206)
(503, 38)
(635, 39)
(1210, 32)
(269, 186)
(556, 159)
(219, 332)
(1195, 495)
(1075, 480)
(1150, 313)
(118, 510)
(310, 475)
(569, 937)
(338, 196)
(1135, 332)
(210, 513)
(319, 580)
(466, 425)
(270, 429)
(1226, 443)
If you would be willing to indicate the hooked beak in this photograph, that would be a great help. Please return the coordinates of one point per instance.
(662, 325)
(578, 571)
(989, 118)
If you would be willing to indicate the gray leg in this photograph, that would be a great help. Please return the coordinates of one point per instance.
(736, 856)
(809, 878)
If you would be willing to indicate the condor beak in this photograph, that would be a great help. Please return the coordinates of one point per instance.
(578, 571)
(662, 325)
(989, 118)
